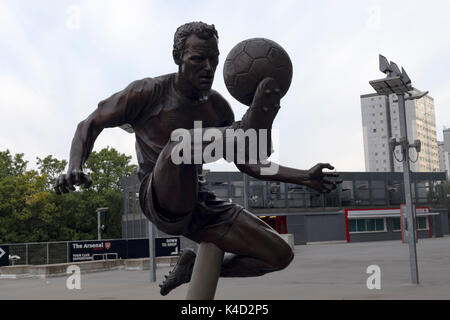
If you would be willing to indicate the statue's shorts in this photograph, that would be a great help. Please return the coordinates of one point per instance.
(211, 219)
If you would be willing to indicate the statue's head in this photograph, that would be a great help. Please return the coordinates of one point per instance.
(195, 51)
(201, 30)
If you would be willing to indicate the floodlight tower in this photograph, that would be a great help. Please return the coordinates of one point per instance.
(398, 82)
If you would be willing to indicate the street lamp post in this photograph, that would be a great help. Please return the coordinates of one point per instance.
(99, 227)
(152, 254)
(398, 82)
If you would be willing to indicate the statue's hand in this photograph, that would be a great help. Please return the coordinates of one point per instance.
(66, 182)
(264, 107)
(267, 96)
(318, 180)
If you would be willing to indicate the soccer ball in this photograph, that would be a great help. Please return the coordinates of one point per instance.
(252, 60)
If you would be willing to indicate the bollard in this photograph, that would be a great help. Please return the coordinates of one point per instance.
(206, 272)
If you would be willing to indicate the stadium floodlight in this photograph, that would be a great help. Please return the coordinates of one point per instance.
(398, 82)
(395, 70)
(389, 86)
(406, 78)
(385, 67)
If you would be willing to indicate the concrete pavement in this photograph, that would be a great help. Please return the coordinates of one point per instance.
(318, 271)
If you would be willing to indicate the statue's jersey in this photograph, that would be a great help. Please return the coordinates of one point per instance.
(154, 108)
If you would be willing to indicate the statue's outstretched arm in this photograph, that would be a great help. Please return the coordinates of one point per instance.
(313, 178)
(115, 111)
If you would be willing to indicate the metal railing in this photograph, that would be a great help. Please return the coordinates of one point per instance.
(37, 253)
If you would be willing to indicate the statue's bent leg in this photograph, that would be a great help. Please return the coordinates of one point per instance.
(255, 248)
(175, 185)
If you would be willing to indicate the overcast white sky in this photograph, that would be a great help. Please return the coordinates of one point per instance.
(58, 59)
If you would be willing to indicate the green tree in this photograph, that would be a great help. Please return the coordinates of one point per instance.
(107, 167)
(30, 211)
(12, 166)
(26, 209)
(77, 217)
(112, 219)
(5, 164)
(51, 168)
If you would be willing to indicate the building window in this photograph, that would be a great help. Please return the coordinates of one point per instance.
(396, 224)
(366, 225)
(374, 130)
(421, 224)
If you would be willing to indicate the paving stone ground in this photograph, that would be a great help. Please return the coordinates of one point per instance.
(319, 271)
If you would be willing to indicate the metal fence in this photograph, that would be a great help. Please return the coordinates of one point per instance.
(39, 253)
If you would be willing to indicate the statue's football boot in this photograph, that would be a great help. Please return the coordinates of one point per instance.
(180, 274)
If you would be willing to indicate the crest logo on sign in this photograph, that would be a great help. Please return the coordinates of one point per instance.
(107, 245)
